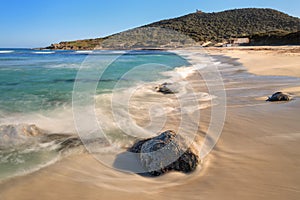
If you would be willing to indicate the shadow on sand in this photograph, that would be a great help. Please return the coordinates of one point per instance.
(129, 162)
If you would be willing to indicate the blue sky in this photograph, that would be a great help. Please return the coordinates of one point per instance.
(38, 23)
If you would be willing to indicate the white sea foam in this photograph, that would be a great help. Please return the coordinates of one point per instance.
(67, 66)
(44, 52)
(84, 52)
(101, 52)
(112, 52)
(184, 72)
(59, 120)
(7, 51)
(179, 73)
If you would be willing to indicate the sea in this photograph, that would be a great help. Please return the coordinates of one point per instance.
(37, 95)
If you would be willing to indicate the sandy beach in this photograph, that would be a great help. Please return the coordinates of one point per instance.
(266, 60)
(256, 157)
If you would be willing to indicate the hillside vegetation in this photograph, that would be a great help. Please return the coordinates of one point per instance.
(262, 26)
(232, 23)
(276, 38)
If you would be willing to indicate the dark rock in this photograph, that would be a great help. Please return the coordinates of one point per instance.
(165, 88)
(279, 96)
(164, 153)
(63, 141)
(70, 143)
(136, 148)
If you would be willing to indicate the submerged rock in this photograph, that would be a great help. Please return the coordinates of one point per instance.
(279, 96)
(70, 143)
(165, 88)
(166, 152)
(22, 136)
(12, 135)
(20, 130)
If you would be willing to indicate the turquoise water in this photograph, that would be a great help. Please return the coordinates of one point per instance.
(35, 82)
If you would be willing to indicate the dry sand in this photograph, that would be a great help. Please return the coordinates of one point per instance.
(257, 156)
(266, 60)
(276, 61)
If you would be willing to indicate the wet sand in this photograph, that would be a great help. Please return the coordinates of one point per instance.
(257, 156)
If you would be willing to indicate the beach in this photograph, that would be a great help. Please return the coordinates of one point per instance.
(256, 157)
(266, 60)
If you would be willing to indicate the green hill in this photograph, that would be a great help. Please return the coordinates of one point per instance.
(262, 26)
(232, 23)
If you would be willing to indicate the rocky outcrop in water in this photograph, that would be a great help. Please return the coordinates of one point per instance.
(279, 96)
(21, 130)
(29, 135)
(63, 142)
(165, 88)
(164, 153)
(11, 135)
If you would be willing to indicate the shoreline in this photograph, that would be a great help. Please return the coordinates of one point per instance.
(266, 60)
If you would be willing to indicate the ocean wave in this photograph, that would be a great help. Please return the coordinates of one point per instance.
(8, 51)
(117, 52)
(179, 73)
(84, 52)
(44, 52)
(65, 66)
(28, 138)
(184, 72)
(26, 148)
(21, 167)
(100, 52)
(112, 52)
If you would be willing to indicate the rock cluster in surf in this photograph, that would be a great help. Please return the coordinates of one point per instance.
(29, 135)
(279, 96)
(166, 152)
(165, 88)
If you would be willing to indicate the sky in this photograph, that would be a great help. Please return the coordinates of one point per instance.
(39, 23)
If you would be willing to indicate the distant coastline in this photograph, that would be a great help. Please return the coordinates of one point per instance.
(238, 27)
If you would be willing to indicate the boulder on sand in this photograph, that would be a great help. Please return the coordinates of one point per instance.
(279, 96)
(166, 152)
